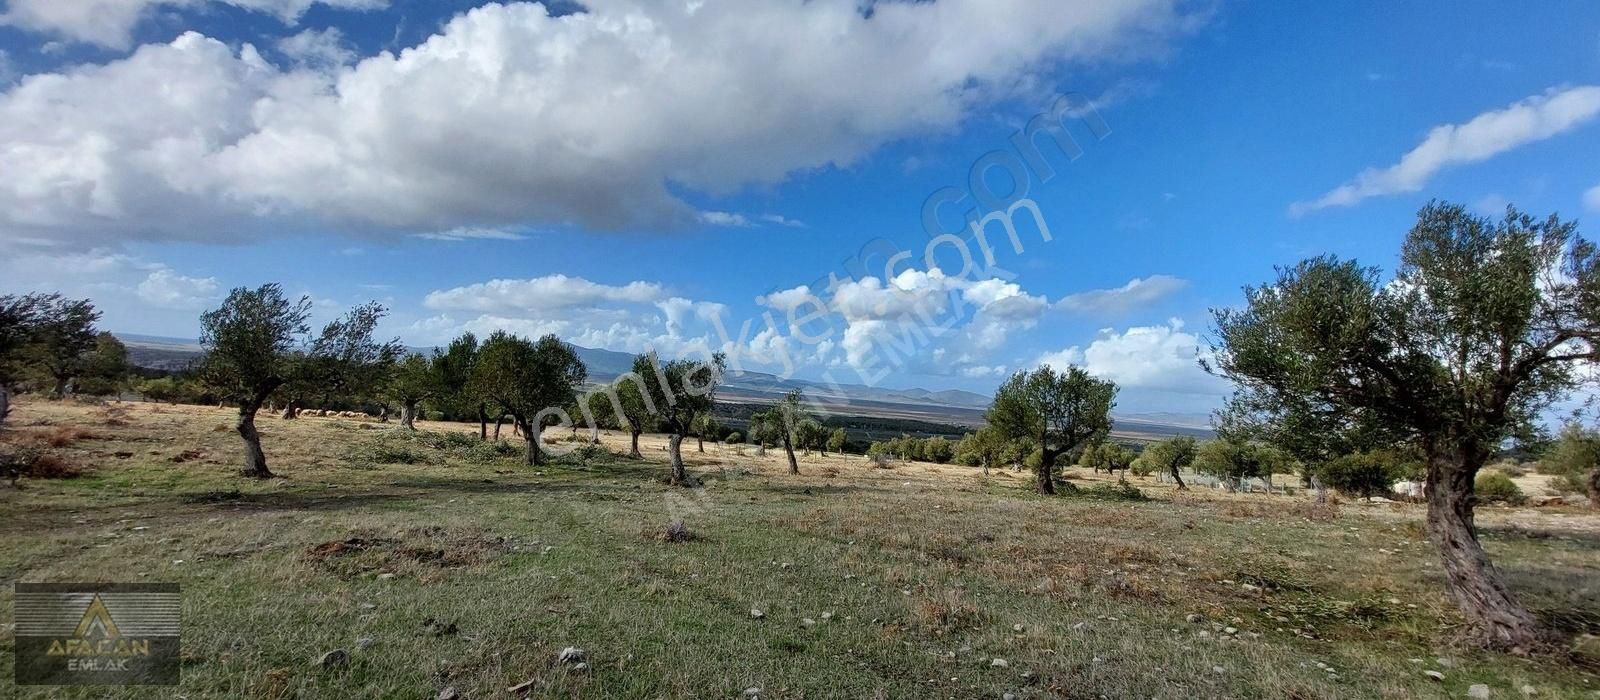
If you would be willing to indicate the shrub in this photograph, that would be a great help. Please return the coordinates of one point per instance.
(1364, 474)
(1496, 487)
(1570, 483)
(1120, 491)
(734, 438)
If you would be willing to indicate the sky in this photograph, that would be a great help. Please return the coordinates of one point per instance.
(700, 176)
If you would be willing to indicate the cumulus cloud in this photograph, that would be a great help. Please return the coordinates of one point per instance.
(496, 121)
(554, 292)
(168, 289)
(110, 23)
(1137, 293)
(1489, 134)
(1143, 357)
(782, 220)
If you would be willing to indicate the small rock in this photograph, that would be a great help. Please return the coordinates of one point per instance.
(1529, 691)
(1192, 618)
(1434, 675)
(1248, 588)
(337, 657)
(448, 694)
(581, 666)
(385, 576)
(1017, 627)
(999, 663)
(571, 655)
(752, 692)
(363, 642)
(808, 622)
(1478, 691)
(367, 606)
(1218, 669)
(1009, 696)
(1231, 630)
(756, 613)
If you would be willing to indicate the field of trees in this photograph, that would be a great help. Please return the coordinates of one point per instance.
(351, 518)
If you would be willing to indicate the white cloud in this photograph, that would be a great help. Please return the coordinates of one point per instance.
(1489, 134)
(549, 293)
(1138, 292)
(1591, 199)
(782, 220)
(321, 49)
(497, 121)
(168, 289)
(1143, 357)
(110, 23)
(472, 234)
(723, 218)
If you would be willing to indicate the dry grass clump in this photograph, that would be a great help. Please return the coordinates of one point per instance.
(676, 533)
(945, 612)
(62, 436)
(421, 552)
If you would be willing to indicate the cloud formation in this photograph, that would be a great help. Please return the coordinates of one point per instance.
(1137, 293)
(1489, 134)
(1164, 358)
(110, 23)
(496, 122)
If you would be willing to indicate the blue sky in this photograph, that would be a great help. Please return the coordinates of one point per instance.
(677, 162)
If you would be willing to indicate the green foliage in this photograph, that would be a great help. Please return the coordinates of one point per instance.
(1170, 456)
(529, 380)
(1366, 474)
(937, 450)
(1058, 411)
(1120, 491)
(1496, 487)
(249, 342)
(837, 440)
(105, 370)
(1236, 460)
(1576, 451)
(734, 438)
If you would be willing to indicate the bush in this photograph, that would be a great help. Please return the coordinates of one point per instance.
(1364, 474)
(1570, 483)
(1496, 487)
(1121, 491)
(734, 438)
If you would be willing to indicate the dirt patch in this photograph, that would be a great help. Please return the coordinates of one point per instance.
(417, 552)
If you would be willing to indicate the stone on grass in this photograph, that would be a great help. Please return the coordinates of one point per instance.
(1193, 618)
(752, 692)
(998, 663)
(448, 694)
(756, 613)
(571, 655)
(1478, 691)
(1434, 675)
(364, 642)
(337, 657)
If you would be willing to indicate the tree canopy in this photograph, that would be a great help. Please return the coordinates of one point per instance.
(1059, 411)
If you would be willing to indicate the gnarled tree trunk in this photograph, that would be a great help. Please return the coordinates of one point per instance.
(1477, 586)
(255, 460)
(535, 454)
(483, 423)
(1178, 478)
(290, 411)
(1044, 481)
(1594, 478)
(5, 403)
(633, 451)
(408, 415)
(700, 442)
(675, 448)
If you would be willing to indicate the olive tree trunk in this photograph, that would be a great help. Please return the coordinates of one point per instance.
(1044, 481)
(675, 449)
(633, 451)
(290, 411)
(788, 449)
(5, 403)
(255, 460)
(483, 423)
(535, 455)
(1178, 478)
(700, 442)
(1477, 586)
(408, 415)
(1594, 476)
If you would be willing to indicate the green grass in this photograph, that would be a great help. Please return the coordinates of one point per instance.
(914, 578)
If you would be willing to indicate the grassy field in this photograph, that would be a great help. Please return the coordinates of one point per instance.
(437, 563)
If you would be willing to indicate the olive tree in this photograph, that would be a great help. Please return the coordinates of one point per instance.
(415, 378)
(62, 339)
(452, 369)
(1482, 327)
(250, 342)
(19, 318)
(1171, 457)
(1058, 411)
(684, 391)
(530, 381)
(789, 418)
